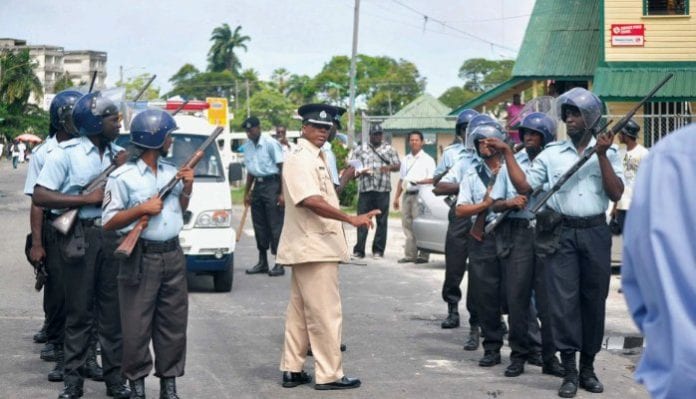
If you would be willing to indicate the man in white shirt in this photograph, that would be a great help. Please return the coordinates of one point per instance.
(635, 153)
(416, 168)
(22, 151)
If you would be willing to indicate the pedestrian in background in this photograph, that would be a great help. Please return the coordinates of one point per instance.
(634, 154)
(657, 274)
(14, 153)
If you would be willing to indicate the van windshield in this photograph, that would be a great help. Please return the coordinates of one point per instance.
(183, 146)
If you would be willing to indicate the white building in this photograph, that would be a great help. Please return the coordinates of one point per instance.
(81, 64)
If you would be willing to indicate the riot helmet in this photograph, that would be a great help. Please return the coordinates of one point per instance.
(486, 131)
(463, 120)
(585, 101)
(89, 113)
(150, 128)
(541, 123)
(60, 112)
(631, 129)
(476, 121)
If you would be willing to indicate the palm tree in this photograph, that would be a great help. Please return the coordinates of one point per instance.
(18, 80)
(222, 54)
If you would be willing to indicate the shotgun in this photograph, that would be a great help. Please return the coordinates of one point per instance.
(94, 79)
(64, 222)
(477, 229)
(126, 248)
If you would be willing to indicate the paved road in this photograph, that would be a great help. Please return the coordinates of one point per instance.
(391, 326)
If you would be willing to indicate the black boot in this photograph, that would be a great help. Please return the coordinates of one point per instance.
(588, 378)
(137, 388)
(472, 342)
(48, 353)
(452, 320)
(40, 337)
(118, 390)
(569, 387)
(168, 388)
(72, 389)
(56, 374)
(278, 270)
(261, 266)
(91, 369)
(553, 367)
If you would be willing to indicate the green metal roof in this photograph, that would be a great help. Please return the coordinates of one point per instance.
(632, 81)
(562, 40)
(423, 113)
(507, 89)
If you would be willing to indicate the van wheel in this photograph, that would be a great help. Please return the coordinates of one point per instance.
(223, 279)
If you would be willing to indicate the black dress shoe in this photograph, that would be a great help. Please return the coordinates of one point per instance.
(261, 267)
(472, 342)
(359, 255)
(71, 392)
(490, 359)
(40, 337)
(168, 388)
(590, 382)
(292, 379)
(119, 390)
(343, 383)
(137, 388)
(48, 353)
(278, 270)
(535, 359)
(553, 367)
(515, 368)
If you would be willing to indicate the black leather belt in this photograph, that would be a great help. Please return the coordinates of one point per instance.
(266, 179)
(575, 222)
(411, 192)
(95, 222)
(519, 222)
(159, 247)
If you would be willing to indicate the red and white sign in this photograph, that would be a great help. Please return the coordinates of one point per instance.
(627, 34)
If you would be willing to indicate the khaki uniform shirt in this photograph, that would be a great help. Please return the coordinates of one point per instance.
(306, 236)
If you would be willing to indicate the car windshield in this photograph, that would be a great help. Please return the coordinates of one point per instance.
(183, 146)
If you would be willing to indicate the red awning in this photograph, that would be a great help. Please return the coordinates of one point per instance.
(195, 105)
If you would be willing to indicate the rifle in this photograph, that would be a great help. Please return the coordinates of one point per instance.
(244, 214)
(126, 248)
(64, 222)
(586, 157)
(94, 79)
(477, 230)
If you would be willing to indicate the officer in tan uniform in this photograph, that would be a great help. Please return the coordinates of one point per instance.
(311, 244)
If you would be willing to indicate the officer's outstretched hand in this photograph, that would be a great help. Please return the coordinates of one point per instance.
(365, 220)
(604, 141)
(153, 206)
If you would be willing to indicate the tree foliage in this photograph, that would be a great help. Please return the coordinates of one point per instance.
(32, 120)
(63, 83)
(222, 55)
(480, 74)
(271, 107)
(134, 84)
(18, 80)
(456, 96)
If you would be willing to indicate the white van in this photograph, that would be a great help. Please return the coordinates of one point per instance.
(208, 238)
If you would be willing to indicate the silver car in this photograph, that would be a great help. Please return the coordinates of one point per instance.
(430, 226)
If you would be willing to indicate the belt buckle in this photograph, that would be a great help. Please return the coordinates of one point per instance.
(259, 179)
(98, 222)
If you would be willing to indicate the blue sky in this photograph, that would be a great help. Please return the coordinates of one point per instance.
(301, 35)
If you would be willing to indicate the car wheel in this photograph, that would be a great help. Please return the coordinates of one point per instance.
(223, 279)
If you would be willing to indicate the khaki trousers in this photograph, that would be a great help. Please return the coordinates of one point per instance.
(409, 211)
(314, 317)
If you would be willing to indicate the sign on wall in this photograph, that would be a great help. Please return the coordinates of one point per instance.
(627, 35)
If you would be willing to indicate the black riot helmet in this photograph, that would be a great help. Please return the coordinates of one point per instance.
(631, 129)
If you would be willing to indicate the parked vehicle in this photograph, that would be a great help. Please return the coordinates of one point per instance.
(430, 226)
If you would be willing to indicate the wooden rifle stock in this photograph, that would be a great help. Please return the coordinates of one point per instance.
(477, 230)
(125, 249)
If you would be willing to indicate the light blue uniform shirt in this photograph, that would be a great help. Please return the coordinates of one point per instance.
(72, 166)
(467, 160)
(450, 156)
(504, 189)
(37, 162)
(134, 183)
(331, 162)
(472, 190)
(582, 195)
(261, 159)
(658, 273)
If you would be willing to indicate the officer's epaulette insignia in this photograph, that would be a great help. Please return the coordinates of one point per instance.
(553, 143)
(122, 169)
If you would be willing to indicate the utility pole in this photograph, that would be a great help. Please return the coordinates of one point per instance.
(351, 113)
(236, 95)
(120, 73)
(247, 99)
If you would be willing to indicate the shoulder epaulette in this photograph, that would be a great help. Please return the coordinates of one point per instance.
(122, 169)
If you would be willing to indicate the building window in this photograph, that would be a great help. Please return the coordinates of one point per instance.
(661, 119)
(665, 7)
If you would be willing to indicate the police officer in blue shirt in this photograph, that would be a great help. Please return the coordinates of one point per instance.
(524, 268)
(44, 241)
(458, 149)
(485, 268)
(152, 283)
(263, 158)
(578, 278)
(89, 273)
